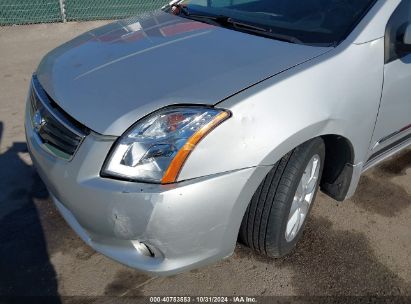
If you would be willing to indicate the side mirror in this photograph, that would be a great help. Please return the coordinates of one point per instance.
(404, 45)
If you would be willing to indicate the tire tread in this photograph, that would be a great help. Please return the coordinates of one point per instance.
(266, 211)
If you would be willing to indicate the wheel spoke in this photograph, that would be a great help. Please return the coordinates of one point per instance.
(300, 190)
(292, 225)
(305, 179)
(293, 209)
(298, 197)
(305, 206)
(310, 187)
(303, 197)
(308, 197)
(312, 181)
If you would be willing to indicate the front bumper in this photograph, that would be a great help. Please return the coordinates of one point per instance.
(187, 224)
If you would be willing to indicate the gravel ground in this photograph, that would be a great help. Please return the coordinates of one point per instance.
(359, 247)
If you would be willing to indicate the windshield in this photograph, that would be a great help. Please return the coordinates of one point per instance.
(314, 22)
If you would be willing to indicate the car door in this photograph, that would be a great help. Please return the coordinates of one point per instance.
(393, 126)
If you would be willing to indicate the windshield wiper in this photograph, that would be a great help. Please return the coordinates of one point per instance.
(239, 25)
(267, 32)
(270, 34)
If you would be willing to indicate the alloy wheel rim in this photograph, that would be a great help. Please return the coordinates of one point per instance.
(303, 198)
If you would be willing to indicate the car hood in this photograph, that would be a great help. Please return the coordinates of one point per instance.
(112, 76)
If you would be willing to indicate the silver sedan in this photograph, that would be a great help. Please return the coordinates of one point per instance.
(165, 138)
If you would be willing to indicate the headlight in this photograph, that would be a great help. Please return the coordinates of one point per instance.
(156, 147)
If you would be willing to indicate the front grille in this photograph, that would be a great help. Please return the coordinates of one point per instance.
(58, 133)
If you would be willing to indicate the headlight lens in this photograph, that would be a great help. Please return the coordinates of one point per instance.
(155, 148)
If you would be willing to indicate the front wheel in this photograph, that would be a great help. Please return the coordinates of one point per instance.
(277, 213)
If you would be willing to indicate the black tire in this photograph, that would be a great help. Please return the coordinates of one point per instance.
(265, 221)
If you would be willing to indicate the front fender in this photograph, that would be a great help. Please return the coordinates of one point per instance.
(336, 93)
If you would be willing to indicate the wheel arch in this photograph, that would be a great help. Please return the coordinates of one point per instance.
(237, 138)
(338, 163)
(338, 166)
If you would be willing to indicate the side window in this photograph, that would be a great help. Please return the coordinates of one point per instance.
(395, 30)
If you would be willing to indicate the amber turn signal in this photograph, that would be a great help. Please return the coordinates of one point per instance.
(177, 163)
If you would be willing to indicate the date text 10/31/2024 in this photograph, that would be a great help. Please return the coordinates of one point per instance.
(206, 299)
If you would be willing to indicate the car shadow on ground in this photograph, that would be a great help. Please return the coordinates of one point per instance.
(332, 262)
(378, 194)
(25, 267)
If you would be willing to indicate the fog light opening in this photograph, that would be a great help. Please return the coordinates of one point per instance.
(151, 252)
(143, 249)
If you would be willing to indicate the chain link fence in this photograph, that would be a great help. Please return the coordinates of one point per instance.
(41, 11)
(29, 11)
